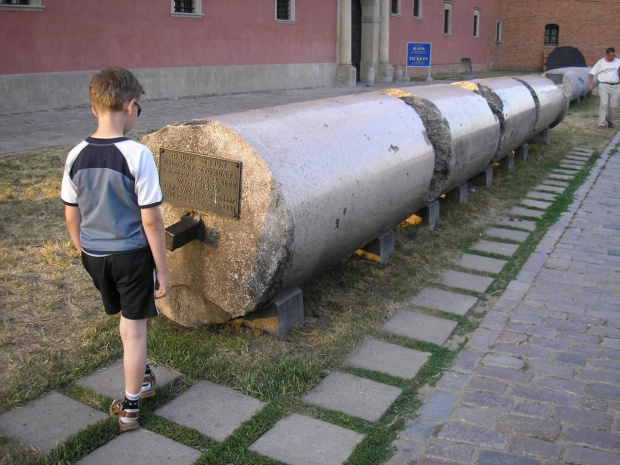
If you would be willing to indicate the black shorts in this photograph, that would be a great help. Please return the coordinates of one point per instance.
(126, 283)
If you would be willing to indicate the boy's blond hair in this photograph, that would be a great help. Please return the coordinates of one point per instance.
(109, 89)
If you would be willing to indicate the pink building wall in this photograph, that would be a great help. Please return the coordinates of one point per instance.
(446, 49)
(71, 35)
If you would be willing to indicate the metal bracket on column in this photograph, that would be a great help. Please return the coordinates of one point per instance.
(190, 228)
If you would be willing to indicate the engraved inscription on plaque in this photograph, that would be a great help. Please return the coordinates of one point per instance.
(200, 182)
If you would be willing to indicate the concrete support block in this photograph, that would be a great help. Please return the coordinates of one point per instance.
(347, 76)
(398, 74)
(483, 179)
(283, 313)
(382, 247)
(459, 194)
(508, 163)
(430, 214)
(522, 152)
(544, 137)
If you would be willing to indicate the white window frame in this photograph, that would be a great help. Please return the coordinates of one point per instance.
(498, 31)
(476, 22)
(33, 5)
(196, 14)
(447, 6)
(399, 6)
(291, 20)
(420, 3)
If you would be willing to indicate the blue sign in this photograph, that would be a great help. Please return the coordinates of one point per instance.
(418, 54)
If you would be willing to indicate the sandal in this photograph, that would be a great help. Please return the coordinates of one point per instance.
(150, 378)
(116, 411)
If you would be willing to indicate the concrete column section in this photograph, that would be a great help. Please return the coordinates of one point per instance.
(346, 71)
(385, 72)
(551, 104)
(462, 128)
(513, 105)
(572, 81)
(319, 180)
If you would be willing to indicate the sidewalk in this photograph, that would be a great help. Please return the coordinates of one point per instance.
(22, 132)
(538, 382)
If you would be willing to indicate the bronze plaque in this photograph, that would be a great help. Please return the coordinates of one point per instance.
(200, 182)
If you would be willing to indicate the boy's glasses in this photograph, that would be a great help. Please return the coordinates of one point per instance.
(139, 108)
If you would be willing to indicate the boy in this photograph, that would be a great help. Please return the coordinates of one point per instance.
(111, 193)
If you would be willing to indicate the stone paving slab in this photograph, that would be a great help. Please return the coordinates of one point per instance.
(142, 447)
(110, 381)
(300, 440)
(388, 358)
(579, 158)
(480, 263)
(548, 188)
(556, 182)
(519, 223)
(561, 177)
(502, 233)
(569, 167)
(419, 326)
(445, 301)
(47, 422)
(573, 162)
(527, 212)
(536, 203)
(213, 410)
(569, 173)
(498, 248)
(354, 396)
(467, 281)
(541, 196)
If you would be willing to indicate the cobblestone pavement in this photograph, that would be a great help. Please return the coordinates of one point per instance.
(539, 381)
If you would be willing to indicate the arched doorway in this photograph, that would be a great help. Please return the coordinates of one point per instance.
(356, 36)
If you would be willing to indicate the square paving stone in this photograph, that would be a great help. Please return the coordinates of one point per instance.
(581, 158)
(419, 326)
(541, 196)
(213, 410)
(142, 447)
(358, 397)
(501, 233)
(388, 358)
(555, 182)
(517, 223)
(47, 422)
(467, 281)
(569, 167)
(527, 212)
(446, 301)
(300, 440)
(480, 263)
(573, 162)
(110, 381)
(548, 188)
(570, 173)
(536, 203)
(498, 248)
(561, 177)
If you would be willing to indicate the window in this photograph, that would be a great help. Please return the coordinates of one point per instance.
(417, 9)
(25, 5)
(552, 32)
(285, 10)
(395, 8)
(186, 8)
(498, 31)
(476, 22)
(447, 18)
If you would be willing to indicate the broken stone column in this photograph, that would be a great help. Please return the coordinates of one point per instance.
(319, 180)
(551, 104)
(513, 105)
(461, 127)
(572, 81)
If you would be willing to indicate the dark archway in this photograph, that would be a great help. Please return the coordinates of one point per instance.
(563, 57)
(356, 36)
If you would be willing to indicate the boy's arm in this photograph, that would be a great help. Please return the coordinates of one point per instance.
(153, 224)
(74, 219)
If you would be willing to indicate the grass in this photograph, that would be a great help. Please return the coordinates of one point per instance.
(53, 330)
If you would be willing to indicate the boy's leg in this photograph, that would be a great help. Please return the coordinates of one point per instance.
(133, 335)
